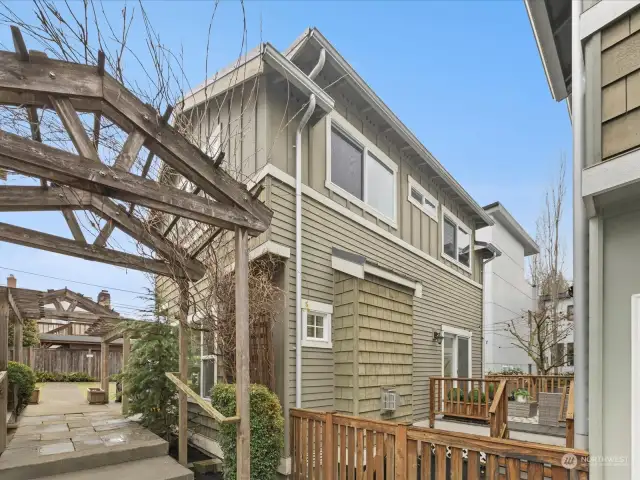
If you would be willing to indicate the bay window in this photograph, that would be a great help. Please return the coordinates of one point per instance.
(456, 240)
(359, 171)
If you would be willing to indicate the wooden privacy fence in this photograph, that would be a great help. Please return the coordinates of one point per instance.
(470, 398)
(70, 361)
(534, 384)
(327, 446)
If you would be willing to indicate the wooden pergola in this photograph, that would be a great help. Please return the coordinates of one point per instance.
(70, 181)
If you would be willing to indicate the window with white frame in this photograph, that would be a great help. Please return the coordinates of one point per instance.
(456, 240)
(208, 367)
(422, 199)
(316, 324)
(360, 171)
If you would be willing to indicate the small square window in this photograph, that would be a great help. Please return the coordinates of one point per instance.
(416, 195)
(316, 318)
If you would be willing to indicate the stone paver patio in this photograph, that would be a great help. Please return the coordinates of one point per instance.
(65, 425)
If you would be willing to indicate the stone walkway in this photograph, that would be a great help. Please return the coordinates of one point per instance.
(65, 425)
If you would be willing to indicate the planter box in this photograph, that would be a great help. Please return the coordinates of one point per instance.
(35, 397)
(519, 409)
(549, 404)
(96, 396)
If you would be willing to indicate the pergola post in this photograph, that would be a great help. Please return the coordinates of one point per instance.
(183, 335)
(243, 433)
(4, 361)
(126, 348)
(104, 370)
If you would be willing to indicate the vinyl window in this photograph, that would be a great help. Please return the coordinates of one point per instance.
(456, 240)
(316, 324)
(422, 199)
(359, 171)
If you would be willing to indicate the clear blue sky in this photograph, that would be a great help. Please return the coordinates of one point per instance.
(465, 76)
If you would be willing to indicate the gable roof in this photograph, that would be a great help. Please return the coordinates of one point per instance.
(502, 215)
(291, 64)
(310, 43)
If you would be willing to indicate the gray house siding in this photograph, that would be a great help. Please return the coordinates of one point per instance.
(324, 228)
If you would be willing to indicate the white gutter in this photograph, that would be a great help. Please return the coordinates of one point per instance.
(580, 237)
(305, 118)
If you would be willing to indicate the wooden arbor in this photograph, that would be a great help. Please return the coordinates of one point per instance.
(81, 181)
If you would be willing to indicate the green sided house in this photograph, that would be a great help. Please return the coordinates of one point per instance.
(381, 274)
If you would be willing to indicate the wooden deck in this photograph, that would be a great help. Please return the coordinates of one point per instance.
(330, 446)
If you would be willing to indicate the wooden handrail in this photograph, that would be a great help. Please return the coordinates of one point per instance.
(498, 396)
(207, 407)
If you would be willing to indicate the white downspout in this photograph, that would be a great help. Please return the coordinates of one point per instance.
(305, 118)
(580, 237)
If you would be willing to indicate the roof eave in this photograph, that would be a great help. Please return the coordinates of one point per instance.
(511, 224)
(482, 219)
(543, 34)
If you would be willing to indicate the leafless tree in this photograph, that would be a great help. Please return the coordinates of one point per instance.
(541, 332)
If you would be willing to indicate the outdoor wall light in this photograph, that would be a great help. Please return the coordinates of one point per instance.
(437, 337)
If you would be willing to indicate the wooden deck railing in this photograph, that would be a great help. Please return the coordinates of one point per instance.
(534, 384)
(569, 432)
(469, 398)
(328, 446)
(499, 413)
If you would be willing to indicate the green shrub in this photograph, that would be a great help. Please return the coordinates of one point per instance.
(30, 336)
(22, 378)
(267, 430)
(492, 391)
(150, 392)
(455, 394)
(474, 394)
(521, 392)
(42, 377)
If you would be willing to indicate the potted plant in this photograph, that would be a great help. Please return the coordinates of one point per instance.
(35, 396)
(521, 395)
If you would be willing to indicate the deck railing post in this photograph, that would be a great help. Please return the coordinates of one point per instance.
(401, 452)
(328, 447)
(432, 402)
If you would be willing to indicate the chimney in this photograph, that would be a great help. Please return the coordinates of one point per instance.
(11, 281)
(104, 299)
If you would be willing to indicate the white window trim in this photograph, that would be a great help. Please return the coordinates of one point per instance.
(203, 357)
(431, 212)
(462, 226)
(324, 309)
(458, 332)
(335, 120)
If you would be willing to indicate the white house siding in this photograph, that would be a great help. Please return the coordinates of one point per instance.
(507, 297)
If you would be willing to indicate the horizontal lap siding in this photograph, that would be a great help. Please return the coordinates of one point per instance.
(446, 298)
(201, 423)
(343, 342)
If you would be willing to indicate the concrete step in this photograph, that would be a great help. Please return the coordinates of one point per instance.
(158, 468)
(25, 464)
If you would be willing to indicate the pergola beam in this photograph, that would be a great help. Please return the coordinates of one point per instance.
(17, 153)
(146, 234)
(30, 199)
(53, 243)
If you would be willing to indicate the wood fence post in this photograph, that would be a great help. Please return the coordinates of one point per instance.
(243, 432)
(17, 342)
(432, 402)
(104, 369)
(401, 452)
(328, 447)
(4, 361)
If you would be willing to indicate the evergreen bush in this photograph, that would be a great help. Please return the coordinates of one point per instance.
(474, 394)
(267, 430)
(22, 378)
(150, 392)
(455, 394)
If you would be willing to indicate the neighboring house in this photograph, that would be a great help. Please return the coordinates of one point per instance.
(64, 316)
(391, 274)
(508, 296)
(565, 327)
(602, 55)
